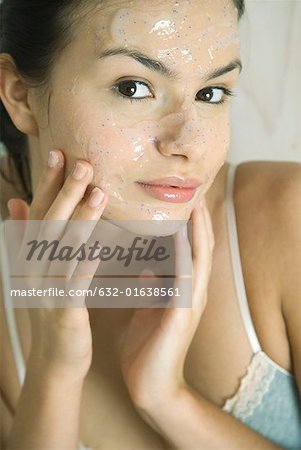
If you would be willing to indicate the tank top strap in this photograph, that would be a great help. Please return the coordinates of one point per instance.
(9, 310)
(236, 261)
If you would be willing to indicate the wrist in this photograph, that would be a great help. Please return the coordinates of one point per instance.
(49, 374)
(164, 414)
(164, 401)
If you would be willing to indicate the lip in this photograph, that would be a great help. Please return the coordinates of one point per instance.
(180, 182)
(169, 193)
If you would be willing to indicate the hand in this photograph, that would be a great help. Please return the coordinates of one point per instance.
(157, 340)
(61, 343)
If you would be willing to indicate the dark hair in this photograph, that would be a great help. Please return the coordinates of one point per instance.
(33, 32)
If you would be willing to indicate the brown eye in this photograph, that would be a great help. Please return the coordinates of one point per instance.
(213, 95)
(133, 89)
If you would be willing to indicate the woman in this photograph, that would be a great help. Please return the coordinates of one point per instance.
(123, 94)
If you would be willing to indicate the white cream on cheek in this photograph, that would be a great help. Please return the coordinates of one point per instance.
(152, 149)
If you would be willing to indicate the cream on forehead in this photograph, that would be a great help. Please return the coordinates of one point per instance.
(175, 21)
(170, 34)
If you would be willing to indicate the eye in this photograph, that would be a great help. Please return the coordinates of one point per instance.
(214, 95)
(133, 89)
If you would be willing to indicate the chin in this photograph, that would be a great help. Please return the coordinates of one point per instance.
(152, 221)
(150, 227)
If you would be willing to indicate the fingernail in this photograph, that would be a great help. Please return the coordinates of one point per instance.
(79, 171)
(96, 197)
(53, 159)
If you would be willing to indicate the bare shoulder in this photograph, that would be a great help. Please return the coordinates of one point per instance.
(276, 176)
(269, 192)
(277, 187)
(274, 188)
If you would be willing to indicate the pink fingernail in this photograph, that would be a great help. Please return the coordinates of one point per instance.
(96, 197)
(53, 159)
(79, 171)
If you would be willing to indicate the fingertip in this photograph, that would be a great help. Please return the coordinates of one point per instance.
(56, 159)
(18, 209)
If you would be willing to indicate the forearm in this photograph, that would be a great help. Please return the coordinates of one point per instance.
(47, 415)
(190, 422)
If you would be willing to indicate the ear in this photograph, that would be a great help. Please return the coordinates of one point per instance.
(14, 95)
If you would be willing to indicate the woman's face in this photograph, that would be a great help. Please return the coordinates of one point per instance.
(135, 94)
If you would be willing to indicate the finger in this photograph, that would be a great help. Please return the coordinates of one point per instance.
(79, 231)
(71, 193)
(202, 253)
(209, 225)
(88, 191)
(183, 271)
(49, 185)
(183, 262)
(80, 282)
(92, 207)
(67, 201)
(62, 198)
(18, 209)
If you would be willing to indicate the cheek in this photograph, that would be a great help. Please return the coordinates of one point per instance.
(217, 136)
(83, 129)
(218, 141)
(117, 154)
(221, 135)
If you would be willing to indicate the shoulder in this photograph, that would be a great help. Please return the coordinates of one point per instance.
(272, 190)
(269, 193)
(276, 194)
(276, 175)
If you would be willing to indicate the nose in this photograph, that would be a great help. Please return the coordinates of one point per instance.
(181, 133)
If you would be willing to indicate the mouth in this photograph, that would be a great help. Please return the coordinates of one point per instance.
(174, 181)
(171, 189)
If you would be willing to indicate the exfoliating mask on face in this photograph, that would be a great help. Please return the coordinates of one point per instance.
(145, 103)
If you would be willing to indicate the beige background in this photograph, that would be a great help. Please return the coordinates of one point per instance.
(266, 114)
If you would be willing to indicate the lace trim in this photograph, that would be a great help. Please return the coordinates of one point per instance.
(81, 446)
(253, 386)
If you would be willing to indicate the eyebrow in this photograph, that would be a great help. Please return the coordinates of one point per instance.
(158, 66)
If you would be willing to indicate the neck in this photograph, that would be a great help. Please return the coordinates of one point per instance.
(37, 160)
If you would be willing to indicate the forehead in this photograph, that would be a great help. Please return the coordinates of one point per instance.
(168, 29)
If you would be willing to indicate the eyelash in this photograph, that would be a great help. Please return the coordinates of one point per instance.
(227, 93)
